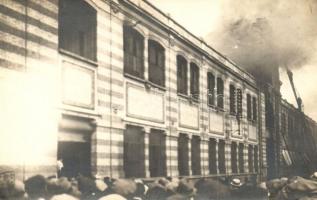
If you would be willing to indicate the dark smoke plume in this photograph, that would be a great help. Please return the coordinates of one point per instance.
(267, 33)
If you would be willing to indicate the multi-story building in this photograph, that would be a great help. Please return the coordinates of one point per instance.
(120, 89)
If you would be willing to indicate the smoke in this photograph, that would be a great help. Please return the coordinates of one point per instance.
(267, 33)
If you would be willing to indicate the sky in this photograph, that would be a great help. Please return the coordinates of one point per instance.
(287, 34)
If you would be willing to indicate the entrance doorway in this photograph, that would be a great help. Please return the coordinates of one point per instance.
(76, 158)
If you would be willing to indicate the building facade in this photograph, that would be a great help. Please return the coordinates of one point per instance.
(118, 88)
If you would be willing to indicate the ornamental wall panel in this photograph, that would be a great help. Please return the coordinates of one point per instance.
(145, 104)
(188, 115)
(216, 123)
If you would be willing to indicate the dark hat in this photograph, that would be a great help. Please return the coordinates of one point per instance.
(35, 186)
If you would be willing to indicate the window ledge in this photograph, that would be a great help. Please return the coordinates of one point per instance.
(157, 86)
(182, 95)
(135, 78)
(73, 55)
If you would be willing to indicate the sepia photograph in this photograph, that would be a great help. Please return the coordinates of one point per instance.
(158, 99)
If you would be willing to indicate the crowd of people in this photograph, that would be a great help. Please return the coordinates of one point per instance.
(39, 187)
(294, 188)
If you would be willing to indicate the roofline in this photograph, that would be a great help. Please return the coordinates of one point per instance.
(209, 52)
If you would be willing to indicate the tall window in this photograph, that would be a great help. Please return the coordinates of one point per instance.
(221, 157)
(77, 28)
(211, 88)
(250, 158)
(195, 155)
(239, 103)
(256, 164)
(133, 45)
(212, 156)
(157, 157)
(156, 63)
(181, 75)
(249, 111)
(255, 110)
(134, 156)
(234, 163)
(232, 98)
(241, 159)
(220, 96)
(183, 157)
(194, 80)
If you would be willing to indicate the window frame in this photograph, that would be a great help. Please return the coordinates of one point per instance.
(232, 99)
(194, 81)
(196, 155)
(249, 107)
(85, 47)
(183, 154)
(211, 81)
(154, 67)
(135, 166)
(254, 109)
(182, 81)
(133, 51)
(157, 153)
(220, 93)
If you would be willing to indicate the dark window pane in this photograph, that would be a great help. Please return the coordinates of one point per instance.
(249, 112)
(220, 97)
(181, 75)
(134, 156)
(157, 157)
(254, 109)
(195, 155)
(212, 156)
(250, 158)
(221, 157)
(256, 164)
(194, 80)
(232, 98)
(77, 28)
(234, 163)
(241, 159)
(211, 88)
(133, 43)
(183, 157)
(239, 103)
(156, 63)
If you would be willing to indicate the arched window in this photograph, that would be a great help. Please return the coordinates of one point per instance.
(249, 111)
(194, 80)
(77, 28)
(156, 63)
(232, 98)
(181, 75)
(255, 109)
(220, 94)
(133, 45)
(211, 89)
(239, 103)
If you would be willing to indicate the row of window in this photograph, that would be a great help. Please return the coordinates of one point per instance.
(236, 101)
(77, 34)
(237, 160)
(134, 154)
